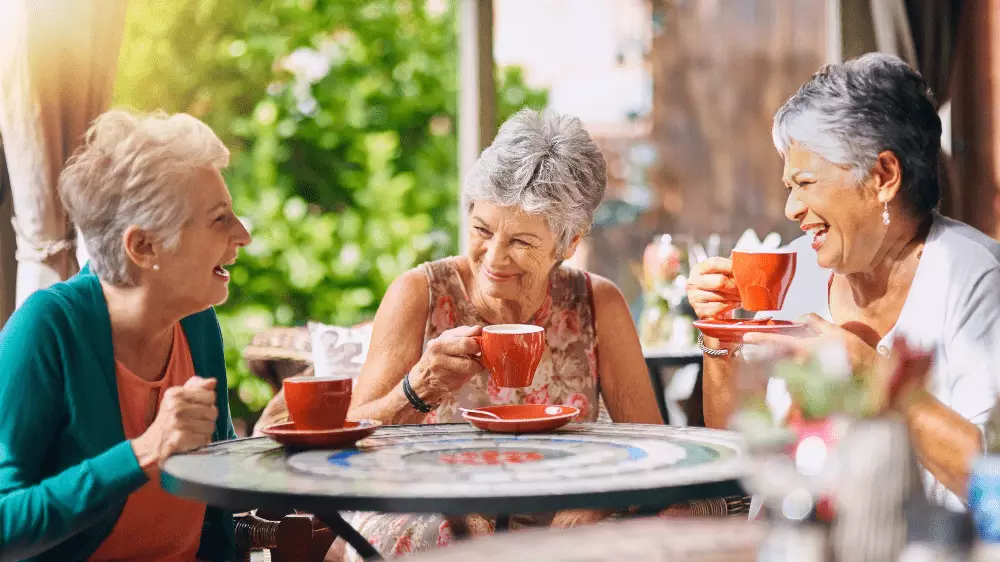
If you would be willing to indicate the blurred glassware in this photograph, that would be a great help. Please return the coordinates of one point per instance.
(696, 254)
(934, 534)
(876, 476)
(984, 498)
(714, 245)
(984, 490)
(793, 543)
(661, 260)
(666, 318)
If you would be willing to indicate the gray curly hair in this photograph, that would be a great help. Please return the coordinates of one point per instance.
(546, 164)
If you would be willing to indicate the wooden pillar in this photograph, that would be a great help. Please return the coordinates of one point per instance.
(834, 32)
(856, 28)
(975, 109)
(476, 94)
(8, 265)
(988, 219)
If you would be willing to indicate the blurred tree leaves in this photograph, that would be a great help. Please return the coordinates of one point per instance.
(340, 115)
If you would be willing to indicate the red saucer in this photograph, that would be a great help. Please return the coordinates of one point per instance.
(523, 418)
(340, 438)
(732, 331)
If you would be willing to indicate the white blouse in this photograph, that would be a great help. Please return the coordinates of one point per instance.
(953, 307)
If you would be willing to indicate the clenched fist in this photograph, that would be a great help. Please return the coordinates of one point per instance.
(185, 422)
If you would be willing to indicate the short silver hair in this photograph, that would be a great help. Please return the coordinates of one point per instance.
(132, 170)
(849, 113)
(546, 164)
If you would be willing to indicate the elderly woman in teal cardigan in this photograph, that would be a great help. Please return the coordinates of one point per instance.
(104, 376)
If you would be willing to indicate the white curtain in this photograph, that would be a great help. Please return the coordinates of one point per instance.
(58, 60)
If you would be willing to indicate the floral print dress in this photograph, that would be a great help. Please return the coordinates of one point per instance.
(566, 375)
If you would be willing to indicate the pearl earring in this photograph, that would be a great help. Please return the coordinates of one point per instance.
(156, 266)
(885, 214)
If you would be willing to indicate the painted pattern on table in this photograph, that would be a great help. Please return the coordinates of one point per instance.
(456, 460)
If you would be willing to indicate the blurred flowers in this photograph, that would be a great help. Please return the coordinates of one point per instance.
(824, 384)
(663, 280)
(801, 452)
(661, 261)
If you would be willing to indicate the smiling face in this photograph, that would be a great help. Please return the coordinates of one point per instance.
(511, 253)
(843, 216)
(193, 275)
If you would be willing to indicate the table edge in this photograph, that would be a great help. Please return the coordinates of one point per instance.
(242, 499)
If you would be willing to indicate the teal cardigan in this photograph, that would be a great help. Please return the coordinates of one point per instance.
(65, 466)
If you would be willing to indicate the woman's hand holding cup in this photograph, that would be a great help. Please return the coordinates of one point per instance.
(447, 363)
(712, 289)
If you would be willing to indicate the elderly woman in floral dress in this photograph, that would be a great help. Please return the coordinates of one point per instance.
(531, 199)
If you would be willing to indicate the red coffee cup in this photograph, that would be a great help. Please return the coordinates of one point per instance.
(512, 352)
(763, 278)
(317, 402)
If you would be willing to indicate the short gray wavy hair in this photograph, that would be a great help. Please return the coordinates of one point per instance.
(848, 113)
(547, 164)
(131, 170)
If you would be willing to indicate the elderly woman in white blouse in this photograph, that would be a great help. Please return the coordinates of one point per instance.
(860, 143)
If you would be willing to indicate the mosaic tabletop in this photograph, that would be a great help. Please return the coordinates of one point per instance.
(455, 468)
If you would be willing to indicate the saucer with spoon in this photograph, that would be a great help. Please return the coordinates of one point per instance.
(520, 418)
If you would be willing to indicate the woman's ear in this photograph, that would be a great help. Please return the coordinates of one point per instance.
(887, 174)
(139, 247)
(571, 249)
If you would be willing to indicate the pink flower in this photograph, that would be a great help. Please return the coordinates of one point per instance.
(403, 546)
(498, 395)
(397, 524)
(445, 534)
(564, 329)
(538, 396)
(592, 363)
(579, 400)
(570, 373)
(445, 315)
(543, 314)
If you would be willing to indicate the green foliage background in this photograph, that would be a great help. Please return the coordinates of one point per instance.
(341, 119)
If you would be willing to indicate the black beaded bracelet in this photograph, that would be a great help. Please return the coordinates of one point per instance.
(415, 401)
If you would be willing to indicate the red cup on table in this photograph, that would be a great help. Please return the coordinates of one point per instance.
(318, 403)
(511, 353)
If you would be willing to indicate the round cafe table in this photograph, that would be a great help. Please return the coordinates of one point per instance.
(456, 469)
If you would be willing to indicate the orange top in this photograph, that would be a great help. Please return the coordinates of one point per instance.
(154, 524)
